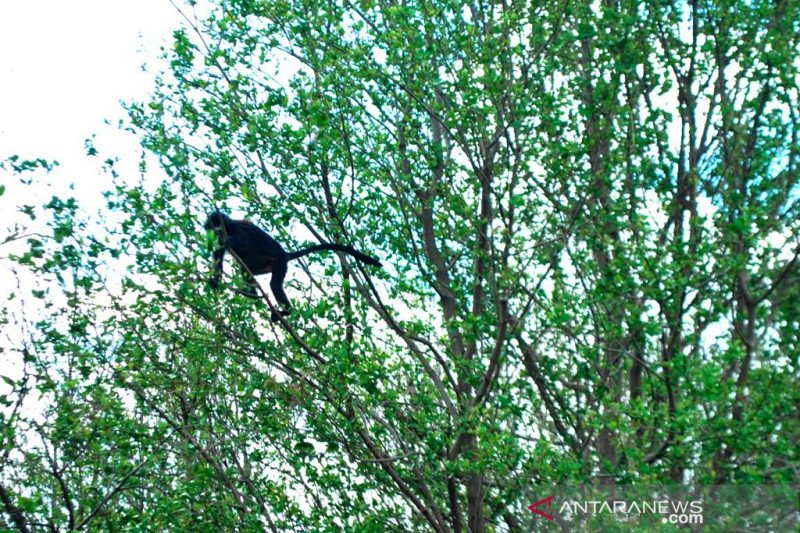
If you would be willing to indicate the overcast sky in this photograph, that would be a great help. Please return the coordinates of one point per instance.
(65, 66)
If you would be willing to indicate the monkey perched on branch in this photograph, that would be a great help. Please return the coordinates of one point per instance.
(261, 254)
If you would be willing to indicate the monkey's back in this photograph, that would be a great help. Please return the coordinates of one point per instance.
(256, 248)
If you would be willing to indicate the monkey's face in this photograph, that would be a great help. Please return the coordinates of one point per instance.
(215, 221)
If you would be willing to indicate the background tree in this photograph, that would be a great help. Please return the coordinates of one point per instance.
(588, 214)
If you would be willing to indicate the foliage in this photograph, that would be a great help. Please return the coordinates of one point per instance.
(588, 214)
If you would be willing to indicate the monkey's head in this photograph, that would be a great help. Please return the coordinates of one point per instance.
(217, 220)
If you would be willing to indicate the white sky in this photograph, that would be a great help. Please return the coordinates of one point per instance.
(65, 66)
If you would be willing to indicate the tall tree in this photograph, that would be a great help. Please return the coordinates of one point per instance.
(588, 214)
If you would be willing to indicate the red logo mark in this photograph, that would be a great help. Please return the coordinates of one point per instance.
(549, 502)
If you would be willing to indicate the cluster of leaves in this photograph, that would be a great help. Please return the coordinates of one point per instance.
(588, 215)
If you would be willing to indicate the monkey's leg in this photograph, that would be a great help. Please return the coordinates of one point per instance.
(279, 270)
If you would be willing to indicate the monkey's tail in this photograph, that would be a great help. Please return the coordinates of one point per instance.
(364, 258)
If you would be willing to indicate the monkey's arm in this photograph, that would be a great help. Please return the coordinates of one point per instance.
(218, 256)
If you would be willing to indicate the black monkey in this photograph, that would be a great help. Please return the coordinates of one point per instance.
(261, 254)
